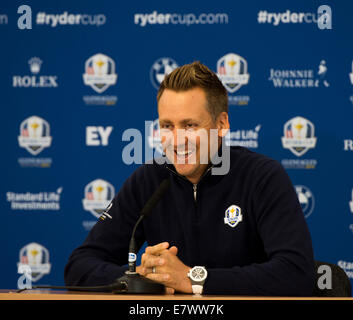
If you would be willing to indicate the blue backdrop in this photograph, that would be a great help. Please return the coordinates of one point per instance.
(76, 75)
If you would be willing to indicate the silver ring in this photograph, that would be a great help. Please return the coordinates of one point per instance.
(153, 269)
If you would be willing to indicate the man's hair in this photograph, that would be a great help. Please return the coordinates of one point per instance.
(197, 75)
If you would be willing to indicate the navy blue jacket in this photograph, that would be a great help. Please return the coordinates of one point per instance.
(269, 252)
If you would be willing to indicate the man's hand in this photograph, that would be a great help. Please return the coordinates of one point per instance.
(169, 270)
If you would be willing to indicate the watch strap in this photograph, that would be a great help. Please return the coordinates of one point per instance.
(197, 289)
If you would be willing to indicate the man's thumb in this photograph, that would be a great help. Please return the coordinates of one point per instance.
(173, 250)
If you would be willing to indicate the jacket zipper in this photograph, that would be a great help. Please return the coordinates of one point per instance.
(194, 185)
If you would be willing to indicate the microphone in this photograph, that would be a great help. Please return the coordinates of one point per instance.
(146, 210)
(132, 282)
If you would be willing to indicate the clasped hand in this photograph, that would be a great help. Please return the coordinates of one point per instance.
(161, 264)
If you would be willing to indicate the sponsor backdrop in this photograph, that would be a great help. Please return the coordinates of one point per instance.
(78, 88)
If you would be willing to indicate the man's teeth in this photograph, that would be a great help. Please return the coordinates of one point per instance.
(183, 153)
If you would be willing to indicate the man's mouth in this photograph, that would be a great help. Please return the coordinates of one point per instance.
(183, 155)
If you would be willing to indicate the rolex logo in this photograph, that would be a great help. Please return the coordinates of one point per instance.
(35, 64)
(34, 80)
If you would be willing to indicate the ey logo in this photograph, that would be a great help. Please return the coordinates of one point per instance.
(25, 20)
(98, 136)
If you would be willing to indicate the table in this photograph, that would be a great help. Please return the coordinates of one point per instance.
(95, 305)
(40, 294)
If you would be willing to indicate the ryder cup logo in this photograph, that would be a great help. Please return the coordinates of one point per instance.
(161, 68)
(36, 257)
(306, 199)
(232, 70)
(299, 136)
(99, 72)
(98, 195)
(233, 216)
(351, 78)
(34, 135)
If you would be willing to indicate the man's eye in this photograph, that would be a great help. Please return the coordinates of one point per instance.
(191, 125)
(165, 126)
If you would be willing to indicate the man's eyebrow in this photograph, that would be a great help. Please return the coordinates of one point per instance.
(165, 121)
(187, 120)
(183, 121)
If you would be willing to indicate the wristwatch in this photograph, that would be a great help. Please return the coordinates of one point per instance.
(197, 276)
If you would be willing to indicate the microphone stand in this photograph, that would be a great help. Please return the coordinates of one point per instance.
(130, 283)
(135, 283)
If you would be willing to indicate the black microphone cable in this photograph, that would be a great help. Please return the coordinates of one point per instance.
(118, 287)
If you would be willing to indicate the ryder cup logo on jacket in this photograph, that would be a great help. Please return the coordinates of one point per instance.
(36, 257)
(98, 195)
(299, 136)
(99, 72)
(232, 70)
(161, 68)
(34, 135)
(233, 216)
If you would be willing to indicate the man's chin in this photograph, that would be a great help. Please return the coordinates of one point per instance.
(188, 170)
(185, 169)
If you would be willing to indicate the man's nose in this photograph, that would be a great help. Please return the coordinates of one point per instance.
(180, 138)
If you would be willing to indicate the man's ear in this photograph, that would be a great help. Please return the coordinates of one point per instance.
(222, 123)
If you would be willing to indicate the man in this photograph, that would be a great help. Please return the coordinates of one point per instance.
(241, 232)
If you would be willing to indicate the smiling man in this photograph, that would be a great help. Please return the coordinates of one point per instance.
(236, 231)
(186, 125)
(184, 111)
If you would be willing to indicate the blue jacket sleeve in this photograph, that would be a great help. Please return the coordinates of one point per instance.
(102, 258)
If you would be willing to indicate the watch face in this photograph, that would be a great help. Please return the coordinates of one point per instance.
(198, 274)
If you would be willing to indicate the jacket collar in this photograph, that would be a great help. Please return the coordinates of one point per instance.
(208, 172)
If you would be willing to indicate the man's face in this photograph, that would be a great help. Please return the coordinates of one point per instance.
(182, 117)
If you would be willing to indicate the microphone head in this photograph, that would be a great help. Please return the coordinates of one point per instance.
(157, 195)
